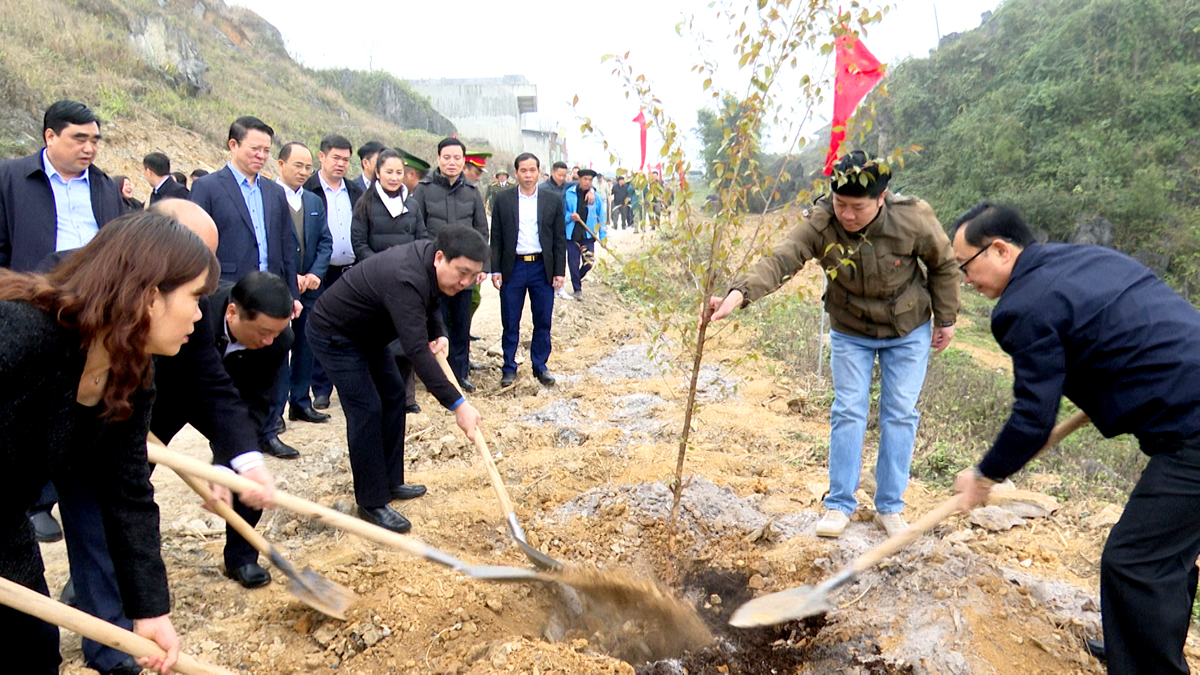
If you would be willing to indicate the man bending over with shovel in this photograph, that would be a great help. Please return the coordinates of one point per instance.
(889, 267)
(1098, 327)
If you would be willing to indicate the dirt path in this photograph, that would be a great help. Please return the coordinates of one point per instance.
(586, 463)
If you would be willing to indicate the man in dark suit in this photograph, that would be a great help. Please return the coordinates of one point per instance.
(156, 168)
(367, 154)
(251, 215)
(308, 218)
(339, 197)
(55, 200)
(529, 256)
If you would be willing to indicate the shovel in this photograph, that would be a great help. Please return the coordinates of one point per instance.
(539, 559)
(35, 604)
(312, 589)
(158, 454)
(806, 601)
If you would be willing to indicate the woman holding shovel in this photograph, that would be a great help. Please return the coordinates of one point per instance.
(75, 359)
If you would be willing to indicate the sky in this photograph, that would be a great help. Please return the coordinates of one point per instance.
(559, 45)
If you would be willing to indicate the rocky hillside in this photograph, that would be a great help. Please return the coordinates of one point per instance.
(158, 65)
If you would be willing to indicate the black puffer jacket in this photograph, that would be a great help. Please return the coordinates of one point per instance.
(374, 229)
(439, 204)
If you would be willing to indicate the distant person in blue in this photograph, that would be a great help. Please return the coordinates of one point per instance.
(1096, 326)
(585, 224)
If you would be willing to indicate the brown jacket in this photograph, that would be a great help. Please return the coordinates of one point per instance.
(885, 293)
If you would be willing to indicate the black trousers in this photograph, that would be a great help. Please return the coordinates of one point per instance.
(372, 395)
(456, 310)
(33, 643)
(321, 386)
(1148, 570)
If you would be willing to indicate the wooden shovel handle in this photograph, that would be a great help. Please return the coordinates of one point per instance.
(184, 464)
(226, 511)
(35, 604)
(953, 504)
(482, 446)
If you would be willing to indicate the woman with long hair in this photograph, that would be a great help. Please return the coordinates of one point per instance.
(126, 187)
(75, 362)
(382, 218)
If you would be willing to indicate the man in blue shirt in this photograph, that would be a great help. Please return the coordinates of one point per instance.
(55, 200)
(1098, 327)
(255, 229)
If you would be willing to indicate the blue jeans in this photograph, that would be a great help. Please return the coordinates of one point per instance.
(902, 363)
(527, 277)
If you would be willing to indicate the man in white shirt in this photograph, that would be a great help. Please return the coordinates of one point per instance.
(339, 196)
(529, 252)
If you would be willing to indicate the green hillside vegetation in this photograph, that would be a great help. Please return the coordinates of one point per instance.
(85, 49)
(1070, 110)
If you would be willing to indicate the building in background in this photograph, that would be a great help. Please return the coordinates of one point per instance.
(499, 110)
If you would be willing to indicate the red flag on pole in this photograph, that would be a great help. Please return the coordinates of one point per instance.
(858, 71)
(642, 126)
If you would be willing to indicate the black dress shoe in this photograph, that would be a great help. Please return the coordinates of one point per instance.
(546, 378)
(1096, 648)
(126, 667)
(475, 365)
(385, 517)
(277, 448)
(507, 380)
(466, 385)
(320, 402)
(408, 491)
(67, 597)
(249, 575)
(412, 409)
(306, 415)
(475, 338)
(45, 528)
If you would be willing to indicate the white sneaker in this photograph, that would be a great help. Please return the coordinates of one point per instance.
(833, 524)
(892, 523)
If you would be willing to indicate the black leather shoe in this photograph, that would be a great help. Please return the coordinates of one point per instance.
(412, 409)
(320, 402)
(306, 415)
(249, 575)
(466, 385)
(1096, 648)
(408, 491)
(67, 597)
(475, 338)
(546, 378)
(475, 365)
(385, 517)
(126, 667)
(45, 528)
(507, 380)
(277, 448)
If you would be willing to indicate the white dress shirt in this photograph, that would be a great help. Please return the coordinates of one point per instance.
(295, 197)
(528, 241)
(339, 213)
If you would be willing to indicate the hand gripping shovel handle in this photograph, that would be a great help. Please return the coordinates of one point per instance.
(952, 505)
(183, 464)
(35, 604)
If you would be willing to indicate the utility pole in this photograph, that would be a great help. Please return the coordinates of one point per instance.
(936, 27)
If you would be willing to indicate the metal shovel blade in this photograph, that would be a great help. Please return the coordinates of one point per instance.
(314, 590)
(499, 573)
(789, 605)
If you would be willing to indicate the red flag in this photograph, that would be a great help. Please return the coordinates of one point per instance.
(858, 71)
(642, 126)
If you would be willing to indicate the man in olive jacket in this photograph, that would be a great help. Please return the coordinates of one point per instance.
(879, 297)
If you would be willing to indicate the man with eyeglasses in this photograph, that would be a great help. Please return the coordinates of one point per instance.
(1098, 327)
(889, 267)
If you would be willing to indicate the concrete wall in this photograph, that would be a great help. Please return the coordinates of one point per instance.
(486, 108)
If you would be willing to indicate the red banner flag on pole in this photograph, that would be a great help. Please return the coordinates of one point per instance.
(858, 71)
(642, 125)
